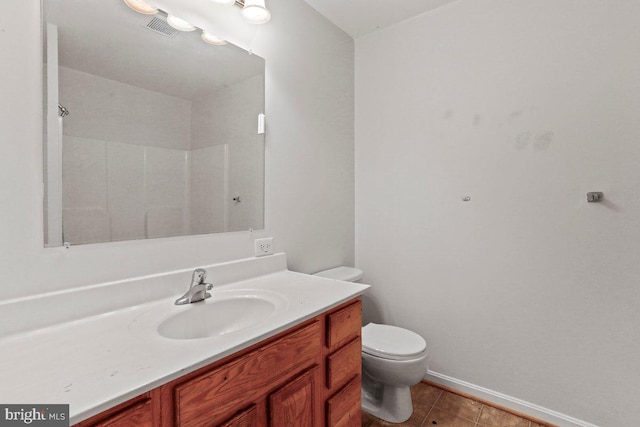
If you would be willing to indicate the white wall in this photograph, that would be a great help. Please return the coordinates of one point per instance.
(223, 116)
(525, 106)
(124, 160)
(208, 194)
(309, 158)
(230, 115)
(114, 111)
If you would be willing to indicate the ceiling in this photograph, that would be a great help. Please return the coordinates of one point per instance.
(360, 17)
(107, 39)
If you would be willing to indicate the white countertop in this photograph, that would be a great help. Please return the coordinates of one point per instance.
(95, 362)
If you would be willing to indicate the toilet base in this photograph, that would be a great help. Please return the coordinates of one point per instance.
(392, 404)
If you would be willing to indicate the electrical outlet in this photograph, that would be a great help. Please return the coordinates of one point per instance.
(264, 246)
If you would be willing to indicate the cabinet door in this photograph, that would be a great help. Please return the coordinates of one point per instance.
(136, 413)
(293, 405)
(246, 418)
(218, 394)
(135, 417)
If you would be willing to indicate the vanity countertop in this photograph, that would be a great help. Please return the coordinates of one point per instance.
(97, 361)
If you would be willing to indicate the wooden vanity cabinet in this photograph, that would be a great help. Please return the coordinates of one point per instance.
(306, 376)
(211, 396)
(142, 410)
(343, 366)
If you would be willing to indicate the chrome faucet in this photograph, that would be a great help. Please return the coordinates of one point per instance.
(197, 289)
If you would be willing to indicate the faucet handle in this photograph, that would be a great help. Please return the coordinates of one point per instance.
(209, 286)
(199, 274)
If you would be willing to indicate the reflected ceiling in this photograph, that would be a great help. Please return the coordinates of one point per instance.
(149, 60)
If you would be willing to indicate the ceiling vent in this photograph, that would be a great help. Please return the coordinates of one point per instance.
(161, 27)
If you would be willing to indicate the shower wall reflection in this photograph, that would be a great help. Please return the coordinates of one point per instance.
(142, 164)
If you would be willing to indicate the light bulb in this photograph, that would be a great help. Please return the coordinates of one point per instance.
(211, 39)
(179, 24)
(141, 6)
(256, 12)
(223, 1)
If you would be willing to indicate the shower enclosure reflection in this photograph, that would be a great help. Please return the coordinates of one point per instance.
(160, 131)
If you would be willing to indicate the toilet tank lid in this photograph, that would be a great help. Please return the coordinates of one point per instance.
(348, 274)
(391, 342)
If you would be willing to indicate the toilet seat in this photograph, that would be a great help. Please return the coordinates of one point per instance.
(392, 342)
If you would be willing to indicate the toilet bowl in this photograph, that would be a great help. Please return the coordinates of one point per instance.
(393, 360)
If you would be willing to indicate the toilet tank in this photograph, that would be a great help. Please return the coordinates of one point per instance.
(348, 274)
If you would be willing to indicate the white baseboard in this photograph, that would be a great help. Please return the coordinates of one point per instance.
(506, 401)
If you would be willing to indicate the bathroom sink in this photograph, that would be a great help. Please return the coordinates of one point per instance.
(224, 313)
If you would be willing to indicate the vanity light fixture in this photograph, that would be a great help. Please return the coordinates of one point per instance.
(256, 12)
(179, 24)
(211, 39)
(141, 6)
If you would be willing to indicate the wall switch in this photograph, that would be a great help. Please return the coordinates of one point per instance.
(264, 246)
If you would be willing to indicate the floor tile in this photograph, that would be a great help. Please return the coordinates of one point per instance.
(459, 406)
(367, 419)
(441, 418)
(435, 407)
(420, 412)
(380, 423)
(493, 417)
(425, 393)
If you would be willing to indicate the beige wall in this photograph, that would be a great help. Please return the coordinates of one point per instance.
(525, 106)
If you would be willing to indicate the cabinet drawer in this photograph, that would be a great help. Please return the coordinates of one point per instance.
(344, 364)
(343, 409)
(344, 325)
(214, 396)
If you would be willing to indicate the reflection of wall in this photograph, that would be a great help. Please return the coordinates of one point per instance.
(124, 160)
(223, 117)
(140, 179)
(208, 189)
(115, 191)
(113, 111)
(246, 177)
(85, 212)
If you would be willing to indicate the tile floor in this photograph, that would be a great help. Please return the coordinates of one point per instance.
(435, 407)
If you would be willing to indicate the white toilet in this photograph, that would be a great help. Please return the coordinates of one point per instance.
(393, 359)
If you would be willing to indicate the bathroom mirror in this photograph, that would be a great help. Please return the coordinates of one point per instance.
(150, 132)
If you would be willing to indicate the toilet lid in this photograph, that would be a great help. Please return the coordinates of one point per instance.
(391, 342)
(348, 274)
